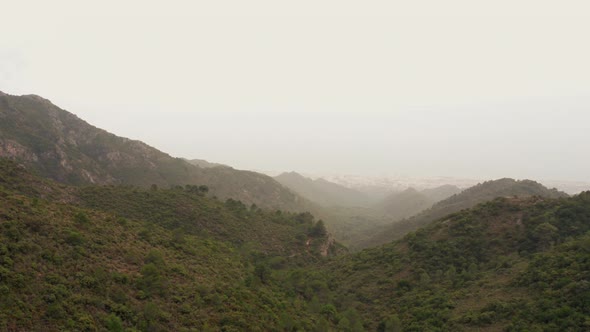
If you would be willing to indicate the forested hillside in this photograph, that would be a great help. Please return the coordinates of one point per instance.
(512, 264)
(466, 199)
(125, 258)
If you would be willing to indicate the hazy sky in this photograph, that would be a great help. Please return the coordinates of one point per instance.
(420, 88)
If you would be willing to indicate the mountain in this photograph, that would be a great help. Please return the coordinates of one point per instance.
(204, 163)
(321, 191)
(59, 145)
(353, 223)
(409, 202)
(437, 194)
(511, 264)
(117, 258)
(404, 204)
(466, 199)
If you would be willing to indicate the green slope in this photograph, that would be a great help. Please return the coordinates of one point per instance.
(124, 258)
(511, 264)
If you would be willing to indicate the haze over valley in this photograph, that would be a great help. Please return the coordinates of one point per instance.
(310, 166)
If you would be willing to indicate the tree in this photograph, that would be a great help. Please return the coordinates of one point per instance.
(329, 311)
(391, 324)
(151, 280)
(114, 323)
(344, 325)
(263, 272)
(545, 234)
(319, 229)
(81, 218)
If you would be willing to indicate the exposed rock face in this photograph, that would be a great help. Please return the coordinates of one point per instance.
(13, 150)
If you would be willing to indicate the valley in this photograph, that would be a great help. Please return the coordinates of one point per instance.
(100, 232)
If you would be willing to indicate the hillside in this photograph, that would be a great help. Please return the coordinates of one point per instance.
(404, 204)
(354, 226)
(59, 145)
(204, 163)
(323, 192)
(440, 193)
(512, 264)
(124, 258)
(468, 198)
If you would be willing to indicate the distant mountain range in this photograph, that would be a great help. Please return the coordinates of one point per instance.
(404, 204)
(381, 185)
(321, 191)
(409, 202)
(59, 145)
(445, 191)
(468, 198)
(360, 222)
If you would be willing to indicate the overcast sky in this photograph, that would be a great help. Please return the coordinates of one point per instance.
(456, 88)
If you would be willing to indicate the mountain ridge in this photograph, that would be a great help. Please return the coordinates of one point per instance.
(400, 205)
(322, 191)
(60, 145)
(470, 197)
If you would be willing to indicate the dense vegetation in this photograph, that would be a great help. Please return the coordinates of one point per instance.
(510, 264)
(123, 258)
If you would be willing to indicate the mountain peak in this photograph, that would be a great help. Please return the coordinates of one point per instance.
(38, 98)
(410, 190)
(292, 175)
